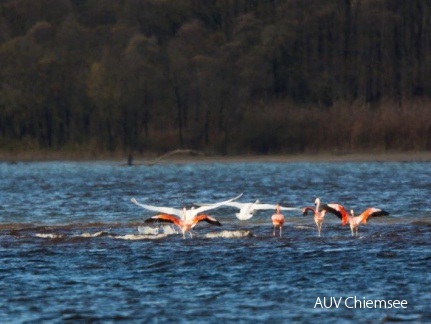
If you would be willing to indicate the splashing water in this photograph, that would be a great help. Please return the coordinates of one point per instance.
(73, 247)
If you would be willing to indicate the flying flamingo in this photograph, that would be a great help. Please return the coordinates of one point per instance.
(277, 219)
(184, 226)
(188, 218)
(247, 210)
(353, 220)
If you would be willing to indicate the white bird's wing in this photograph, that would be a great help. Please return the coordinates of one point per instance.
(235, 204)
(213, 206)
(231, 204)
(289, 208)
(265, 206)
(269, 206)
(164, 210)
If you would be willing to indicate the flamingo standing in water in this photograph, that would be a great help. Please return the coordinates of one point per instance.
(353, 220)
(319, 216)
(188, 218)
(247, 210)
(277, 219)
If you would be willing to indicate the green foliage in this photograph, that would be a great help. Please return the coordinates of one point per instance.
(224, 76)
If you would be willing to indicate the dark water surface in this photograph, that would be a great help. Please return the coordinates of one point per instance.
(73, 247)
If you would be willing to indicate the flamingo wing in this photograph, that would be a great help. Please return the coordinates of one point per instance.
(372, 212)
(164, 210)
(207, 219)
(338, 210)
(212, 206)
(164, 219)
(231, 204)
(305, 210)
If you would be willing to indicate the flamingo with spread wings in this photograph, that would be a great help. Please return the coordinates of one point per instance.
(184, 218)
(353, 220)
(319, 215)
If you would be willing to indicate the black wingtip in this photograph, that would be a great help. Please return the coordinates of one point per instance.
(150, 220)
(156, 220)
(383, 213)
(213, 222)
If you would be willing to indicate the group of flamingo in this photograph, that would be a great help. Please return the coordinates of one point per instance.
(338, 210)
(187, 219)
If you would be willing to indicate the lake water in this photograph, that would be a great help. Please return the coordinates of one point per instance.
(74, 248)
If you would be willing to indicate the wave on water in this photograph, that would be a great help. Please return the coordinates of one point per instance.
(145, 234)
(147, 230)
(67, 232)
(49, 235)
(152, 235)
(62, 236)
(130, 237)
(97, 234)
(303, 227)
(134, 237)
(137, 231)
(401, 318)
(230, 234)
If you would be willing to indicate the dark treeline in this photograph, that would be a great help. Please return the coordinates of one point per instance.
(226, 76)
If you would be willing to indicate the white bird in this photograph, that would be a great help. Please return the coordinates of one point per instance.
(188, 218)
(247, 210)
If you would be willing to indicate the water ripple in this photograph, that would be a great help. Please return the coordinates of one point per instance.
(73, 247)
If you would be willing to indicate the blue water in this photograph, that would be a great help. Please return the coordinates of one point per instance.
(73, 246)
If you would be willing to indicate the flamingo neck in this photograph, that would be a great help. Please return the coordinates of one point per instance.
(318, 206)
(184, 214)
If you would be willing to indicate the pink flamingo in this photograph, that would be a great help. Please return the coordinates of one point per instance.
(185, 225)
(185, 218)
(277, 219)
(319, 216)
(353, 220)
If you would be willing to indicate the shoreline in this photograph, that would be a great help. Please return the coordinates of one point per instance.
(413, 156)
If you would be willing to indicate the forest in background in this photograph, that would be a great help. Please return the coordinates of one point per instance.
(219, 76)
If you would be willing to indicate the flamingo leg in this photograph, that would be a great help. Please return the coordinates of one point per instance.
(281, 227)
(353, 230)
